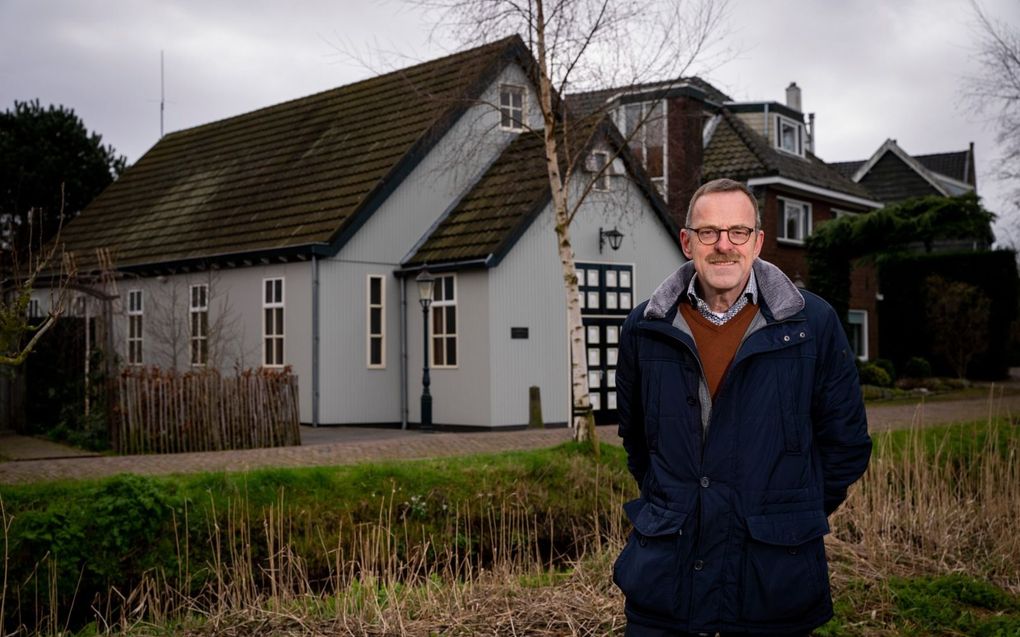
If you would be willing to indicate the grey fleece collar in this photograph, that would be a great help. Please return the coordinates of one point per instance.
(780, 294)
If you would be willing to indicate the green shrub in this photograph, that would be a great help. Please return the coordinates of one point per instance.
(888, 366)
(917, 367)
(872, 374)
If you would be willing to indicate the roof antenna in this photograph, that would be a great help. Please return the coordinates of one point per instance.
(161, 94)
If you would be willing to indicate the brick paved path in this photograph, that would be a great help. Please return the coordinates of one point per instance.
(349, 445)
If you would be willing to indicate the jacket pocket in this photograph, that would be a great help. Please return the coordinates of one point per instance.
(647, 570)
(785, 574)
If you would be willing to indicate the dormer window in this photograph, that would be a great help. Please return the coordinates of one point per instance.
(511, 107)
(789, 135)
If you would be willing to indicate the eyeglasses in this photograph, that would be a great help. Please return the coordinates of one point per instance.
(709, 236)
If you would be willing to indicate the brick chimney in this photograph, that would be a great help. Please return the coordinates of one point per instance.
(685, 123)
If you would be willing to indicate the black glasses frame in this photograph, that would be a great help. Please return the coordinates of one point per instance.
(709, 235)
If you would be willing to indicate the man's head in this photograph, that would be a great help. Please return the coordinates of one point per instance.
(722, 260)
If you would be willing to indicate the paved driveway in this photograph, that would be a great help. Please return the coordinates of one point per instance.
(327, 446)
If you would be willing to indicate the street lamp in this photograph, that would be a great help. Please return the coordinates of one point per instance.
(614, 236)
(425, 284)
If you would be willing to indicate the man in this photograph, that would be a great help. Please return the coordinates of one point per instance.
(741, 413)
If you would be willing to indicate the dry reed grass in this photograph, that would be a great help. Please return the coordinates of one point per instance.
(922, 508)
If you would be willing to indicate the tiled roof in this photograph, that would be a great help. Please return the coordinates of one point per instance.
(846, 168)
(588, 102)
(489, 219)
(954, 165)
(282, 178)
(737, 152)
(513, 189)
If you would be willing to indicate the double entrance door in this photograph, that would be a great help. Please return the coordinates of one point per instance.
(607, 297)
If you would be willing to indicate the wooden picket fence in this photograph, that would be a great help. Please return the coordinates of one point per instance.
(168, 412)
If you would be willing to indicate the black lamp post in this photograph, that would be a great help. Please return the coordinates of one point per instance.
(614, 236)
(425, 284)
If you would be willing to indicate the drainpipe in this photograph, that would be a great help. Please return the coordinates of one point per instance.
(315, 341)
(767, 124)
(403, 352)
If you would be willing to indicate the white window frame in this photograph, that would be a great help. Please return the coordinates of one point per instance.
(135, 335)
(805, 224)
(600, 181)
(863, 355)
(507, 110)
(642, 138)
(445, 303)
(798, 128)
(381, 335)
(279, 334)
(198, 310)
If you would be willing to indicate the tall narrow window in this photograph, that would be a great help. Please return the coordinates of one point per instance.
(644, 126)
(33, 309)
(794, 220)
(599, 161)
(272, 322)
(511, 107)
(134, 340)
(199, 324)
(376, 321)
(858, 323)
(444, 322)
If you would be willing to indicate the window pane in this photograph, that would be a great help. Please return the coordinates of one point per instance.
(268, 348)
(593, 357)
(611, 354)
(448, 284)
(593, 300)
(376, 344)
(437, 320)
(611, 400)
(375, 320)
(375, 291)
(437, 352)
(625, 279)
(611, 378)
(594, 380)
(278, 298)
(624, 300)
(269, 292)
(596, 401)
(593, 278)
(279, 320)
(611, 279)
(279, 351)
(451, 321)
(612, 333)
(632, 115)
(269, 321)
(593, 334)
(451, 351)
(610, 300)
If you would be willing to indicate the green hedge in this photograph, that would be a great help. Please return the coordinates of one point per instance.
(903, 331)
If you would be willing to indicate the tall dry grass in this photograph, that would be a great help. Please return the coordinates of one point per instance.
(929, 504)
(936, 502)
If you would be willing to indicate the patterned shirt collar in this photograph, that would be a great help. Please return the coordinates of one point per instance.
(750, 294)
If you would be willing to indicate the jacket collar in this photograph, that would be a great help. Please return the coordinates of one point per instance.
(775, 290)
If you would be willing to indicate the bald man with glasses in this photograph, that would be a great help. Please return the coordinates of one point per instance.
(741, 413)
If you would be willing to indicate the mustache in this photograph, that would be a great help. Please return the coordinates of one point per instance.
(722, 258)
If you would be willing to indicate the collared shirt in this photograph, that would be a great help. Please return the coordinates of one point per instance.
(750, 294)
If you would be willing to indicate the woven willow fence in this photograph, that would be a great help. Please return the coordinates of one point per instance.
(167, 412)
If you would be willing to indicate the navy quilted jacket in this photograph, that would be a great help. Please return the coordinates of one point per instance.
(735, 494)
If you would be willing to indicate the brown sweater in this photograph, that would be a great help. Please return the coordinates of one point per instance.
(717, 344)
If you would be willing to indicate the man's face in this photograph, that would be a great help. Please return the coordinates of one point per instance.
(723, 268)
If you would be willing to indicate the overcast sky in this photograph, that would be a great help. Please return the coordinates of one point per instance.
(869, 69)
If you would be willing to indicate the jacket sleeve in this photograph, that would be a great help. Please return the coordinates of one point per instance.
(838, 416)
(629, 404)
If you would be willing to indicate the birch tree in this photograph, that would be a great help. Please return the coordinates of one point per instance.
(585, 45)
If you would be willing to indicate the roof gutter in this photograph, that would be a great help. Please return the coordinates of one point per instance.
(815, 190)
(444, 267)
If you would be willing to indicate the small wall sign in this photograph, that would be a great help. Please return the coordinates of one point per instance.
(518, 332)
